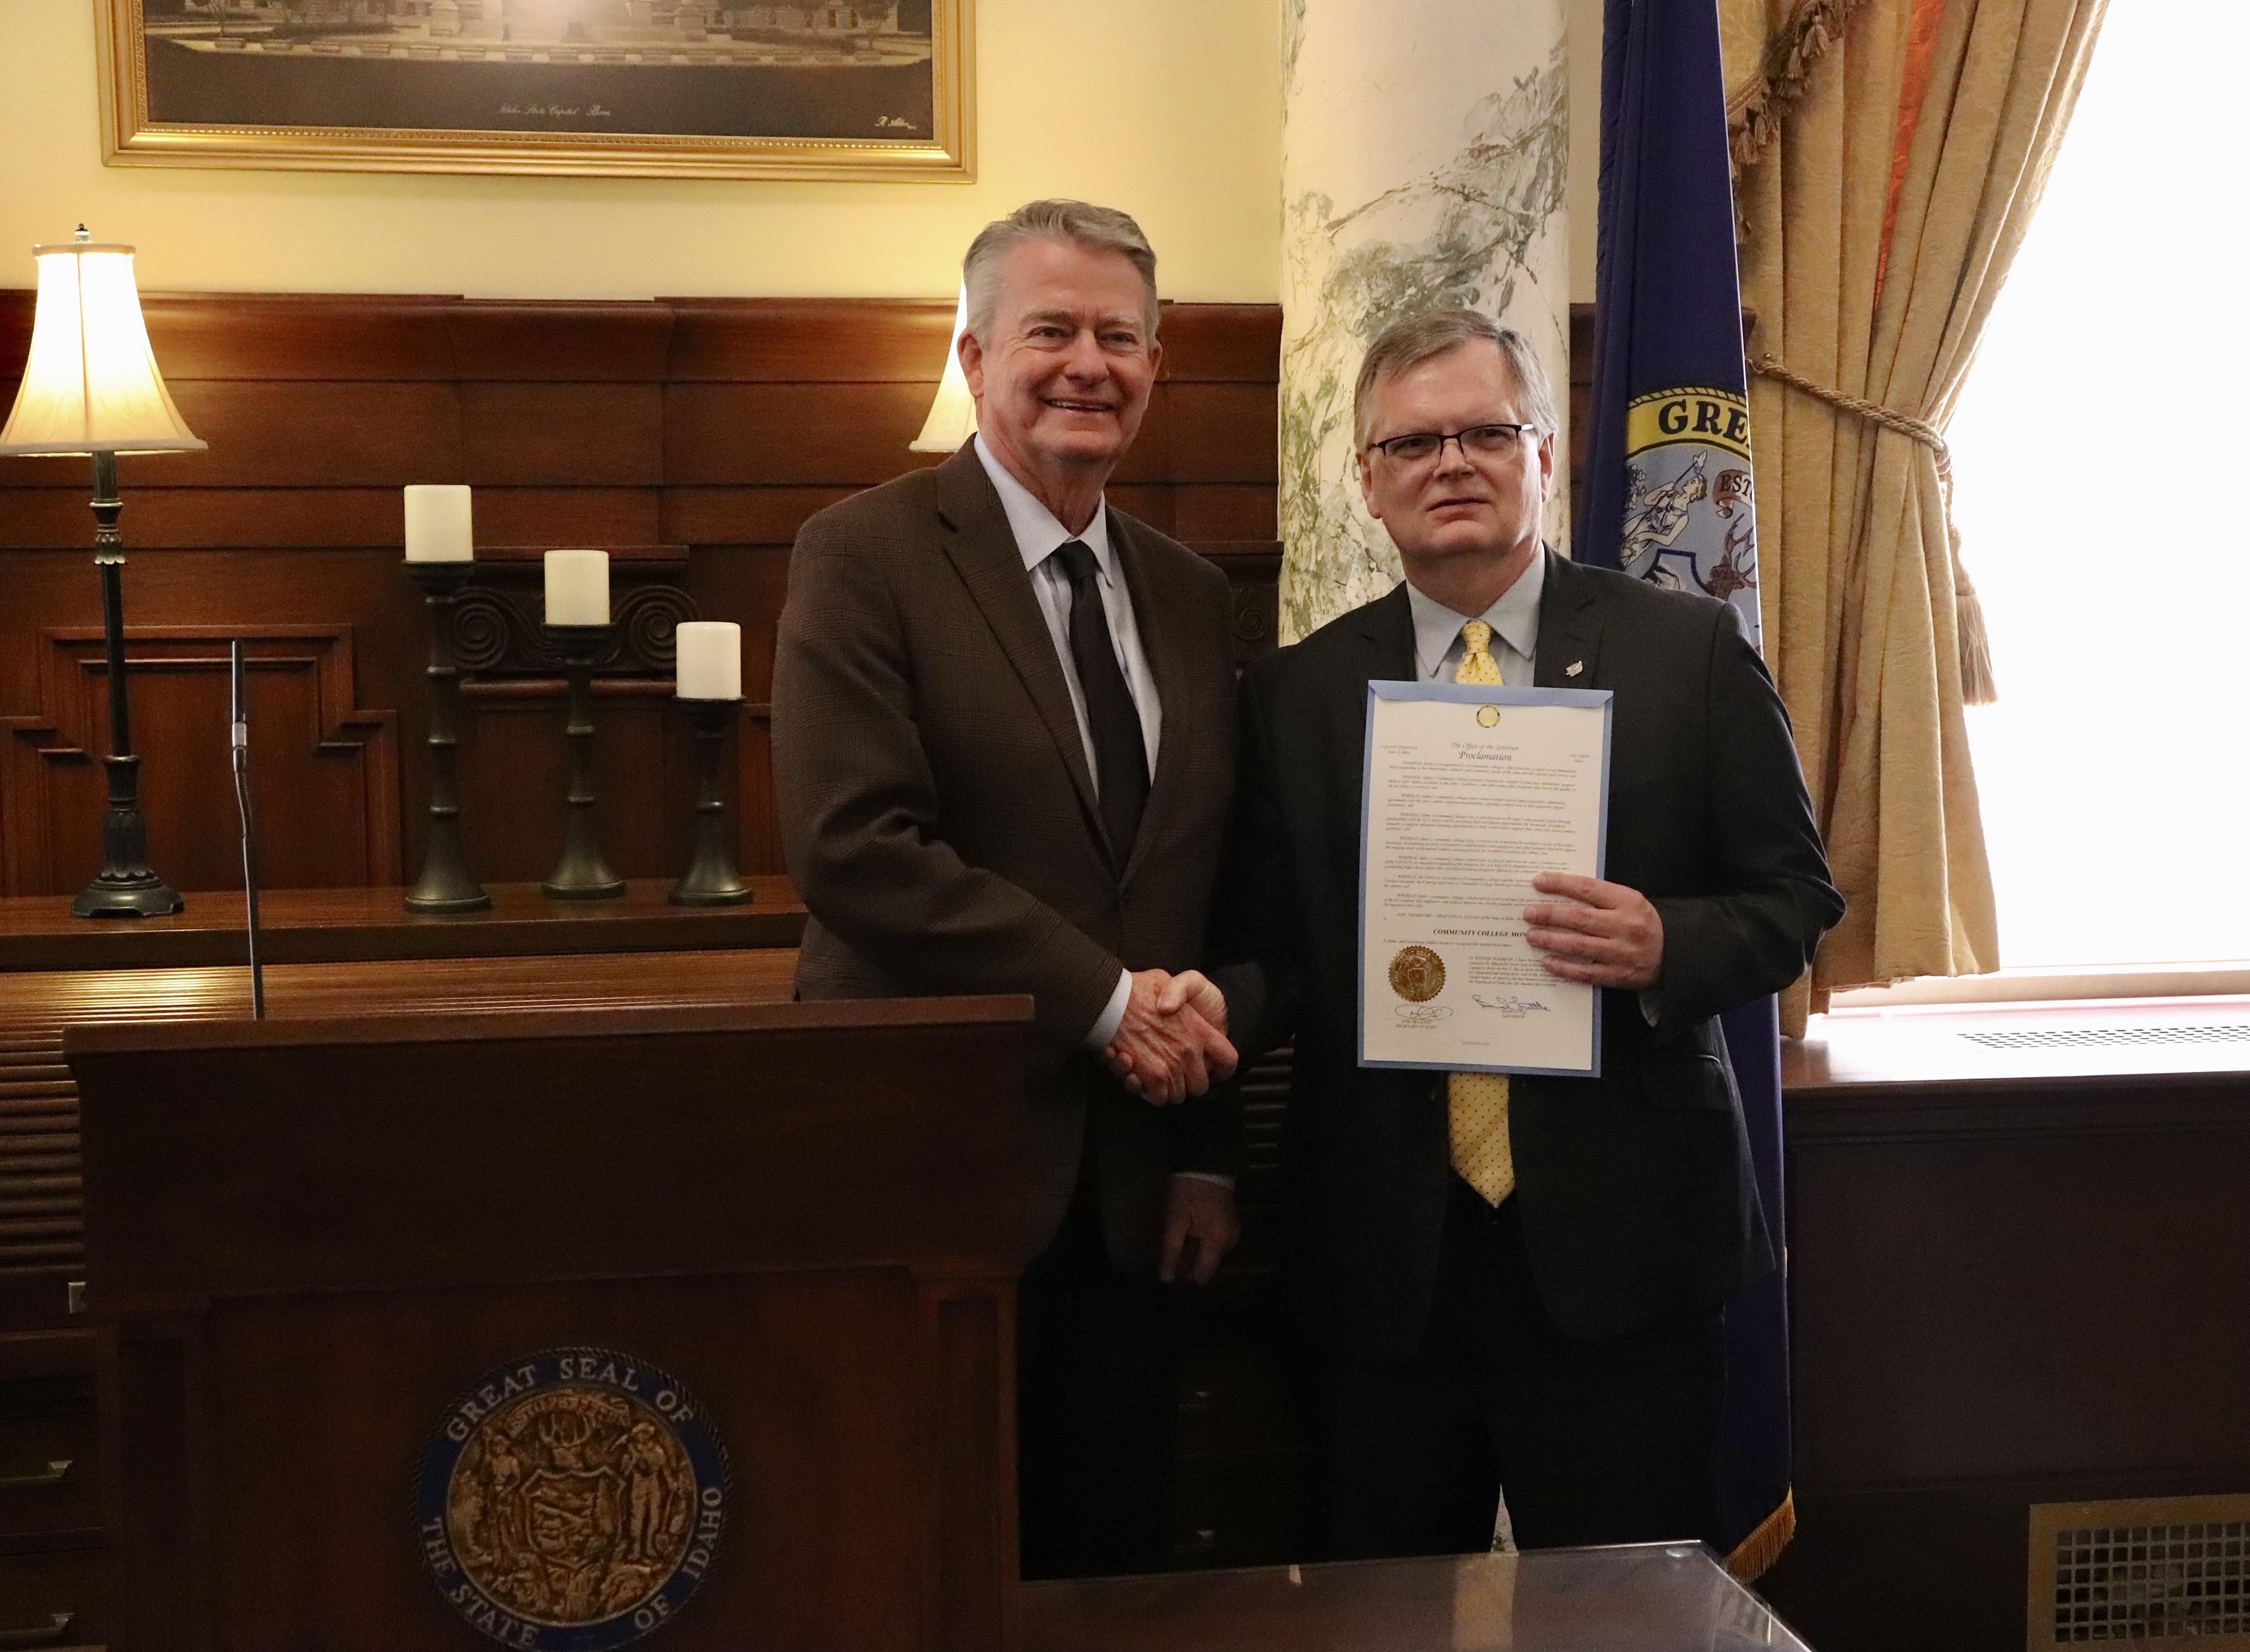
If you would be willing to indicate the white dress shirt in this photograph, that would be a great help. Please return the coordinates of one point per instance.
(1514, 619)
(1039, 533)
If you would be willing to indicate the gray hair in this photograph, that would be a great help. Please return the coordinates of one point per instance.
(1098, 228)
(1414, 338)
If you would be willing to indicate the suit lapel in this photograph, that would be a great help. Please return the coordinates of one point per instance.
(1386, 655)
(983, 551)
(1569, 627)
(1386, 632)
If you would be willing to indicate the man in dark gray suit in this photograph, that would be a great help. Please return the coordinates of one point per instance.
(1003, 745)
(1526, 1298)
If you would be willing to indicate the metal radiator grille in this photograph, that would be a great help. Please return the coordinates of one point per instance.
(2108, 1037)
(2154, 1569)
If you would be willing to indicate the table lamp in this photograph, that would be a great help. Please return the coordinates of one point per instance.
(952, 418)
(91, 386)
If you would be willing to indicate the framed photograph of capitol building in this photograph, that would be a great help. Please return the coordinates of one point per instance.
(877, 90)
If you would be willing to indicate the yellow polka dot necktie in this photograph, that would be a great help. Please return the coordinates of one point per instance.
(1477, 663)
(1476, 1103)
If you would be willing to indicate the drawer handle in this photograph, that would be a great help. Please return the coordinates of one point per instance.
(48, 1636)
(51, 1475)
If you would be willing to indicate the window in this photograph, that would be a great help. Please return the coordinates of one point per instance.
(2103, 499)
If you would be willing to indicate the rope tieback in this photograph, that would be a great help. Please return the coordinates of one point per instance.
(1978, 685)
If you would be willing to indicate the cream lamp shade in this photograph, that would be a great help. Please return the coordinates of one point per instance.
(952, 418)
(91, 385)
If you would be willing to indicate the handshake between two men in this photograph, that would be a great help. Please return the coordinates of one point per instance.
(1173, 1043)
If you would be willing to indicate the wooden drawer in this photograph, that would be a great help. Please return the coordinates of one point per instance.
(50, 1491)
(75, 1586)
(50, 1474)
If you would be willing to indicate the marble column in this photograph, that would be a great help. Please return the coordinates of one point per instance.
(1423, 154)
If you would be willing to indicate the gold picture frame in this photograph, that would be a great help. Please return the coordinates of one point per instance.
(584, 88)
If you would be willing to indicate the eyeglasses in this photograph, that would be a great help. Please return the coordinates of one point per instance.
(1479, 441)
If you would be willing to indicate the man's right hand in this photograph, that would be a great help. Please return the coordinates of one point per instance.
(1173, 1043)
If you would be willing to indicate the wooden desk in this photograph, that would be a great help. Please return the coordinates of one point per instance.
(347, 926)
(2020, 1245)
(793, 1229)
(55, 1552)
(1652, 1597)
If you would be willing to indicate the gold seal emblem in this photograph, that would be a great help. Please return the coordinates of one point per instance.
(572, 1502)
(1488, 716)
(1418, 974)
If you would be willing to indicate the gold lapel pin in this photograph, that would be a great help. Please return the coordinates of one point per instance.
(1574, 668)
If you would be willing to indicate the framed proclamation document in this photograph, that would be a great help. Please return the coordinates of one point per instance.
(1470, 793)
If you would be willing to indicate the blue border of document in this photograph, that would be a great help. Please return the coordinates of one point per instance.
(1478, 694)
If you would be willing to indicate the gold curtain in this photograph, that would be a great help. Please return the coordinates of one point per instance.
(1890, 155)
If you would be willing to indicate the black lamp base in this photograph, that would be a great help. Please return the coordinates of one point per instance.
(125, 887)
(124, 894)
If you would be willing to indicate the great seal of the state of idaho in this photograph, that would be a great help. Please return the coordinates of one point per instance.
(1418, 974)
(571, 1501)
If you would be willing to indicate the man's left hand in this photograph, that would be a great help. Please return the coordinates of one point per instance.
(1602, 933)
(1199, 1227)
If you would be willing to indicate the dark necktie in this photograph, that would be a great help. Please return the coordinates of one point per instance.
(1121, 757)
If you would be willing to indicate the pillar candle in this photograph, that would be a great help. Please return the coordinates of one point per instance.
(437, 523)
(710, 659)
(577, 587)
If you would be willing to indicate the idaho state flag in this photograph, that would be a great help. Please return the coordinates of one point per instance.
(1668, 498)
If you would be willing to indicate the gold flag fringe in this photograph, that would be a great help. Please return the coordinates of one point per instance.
(1978, 685)
(1763, 1547)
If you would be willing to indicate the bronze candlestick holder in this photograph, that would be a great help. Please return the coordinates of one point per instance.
(711, 879)
(582, 874)
(447, 884)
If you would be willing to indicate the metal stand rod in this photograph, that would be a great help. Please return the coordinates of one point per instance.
(711, 879)
(447, 884)
(126, 886)
(582, 874)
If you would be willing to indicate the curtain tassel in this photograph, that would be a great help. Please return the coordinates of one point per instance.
(1978, 685)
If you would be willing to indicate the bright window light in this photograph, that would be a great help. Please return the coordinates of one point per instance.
(2101, 495)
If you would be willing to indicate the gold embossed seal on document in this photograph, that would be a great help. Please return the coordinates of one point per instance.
(572, 1501)
(1418, 974)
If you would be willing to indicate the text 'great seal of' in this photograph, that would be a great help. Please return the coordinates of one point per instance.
(571, 1501)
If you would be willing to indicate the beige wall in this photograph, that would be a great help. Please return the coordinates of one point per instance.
(1168, 108)
(1169, 111)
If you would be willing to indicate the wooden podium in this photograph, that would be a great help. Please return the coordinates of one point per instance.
(312, 1245)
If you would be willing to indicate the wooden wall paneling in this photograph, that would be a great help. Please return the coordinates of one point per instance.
(742, 513)
(966, 1337)
(560, 515)
(1204, 433)
(843, 435)
(717, 424)
(807, 340)
(527, 341)
(325, 337)
(515, 770)
(317, 757)
(300, 435)
(575, 436)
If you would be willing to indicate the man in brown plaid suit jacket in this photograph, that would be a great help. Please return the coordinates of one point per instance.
(1003, 741)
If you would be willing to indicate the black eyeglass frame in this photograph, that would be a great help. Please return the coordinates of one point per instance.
(1458, 437)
